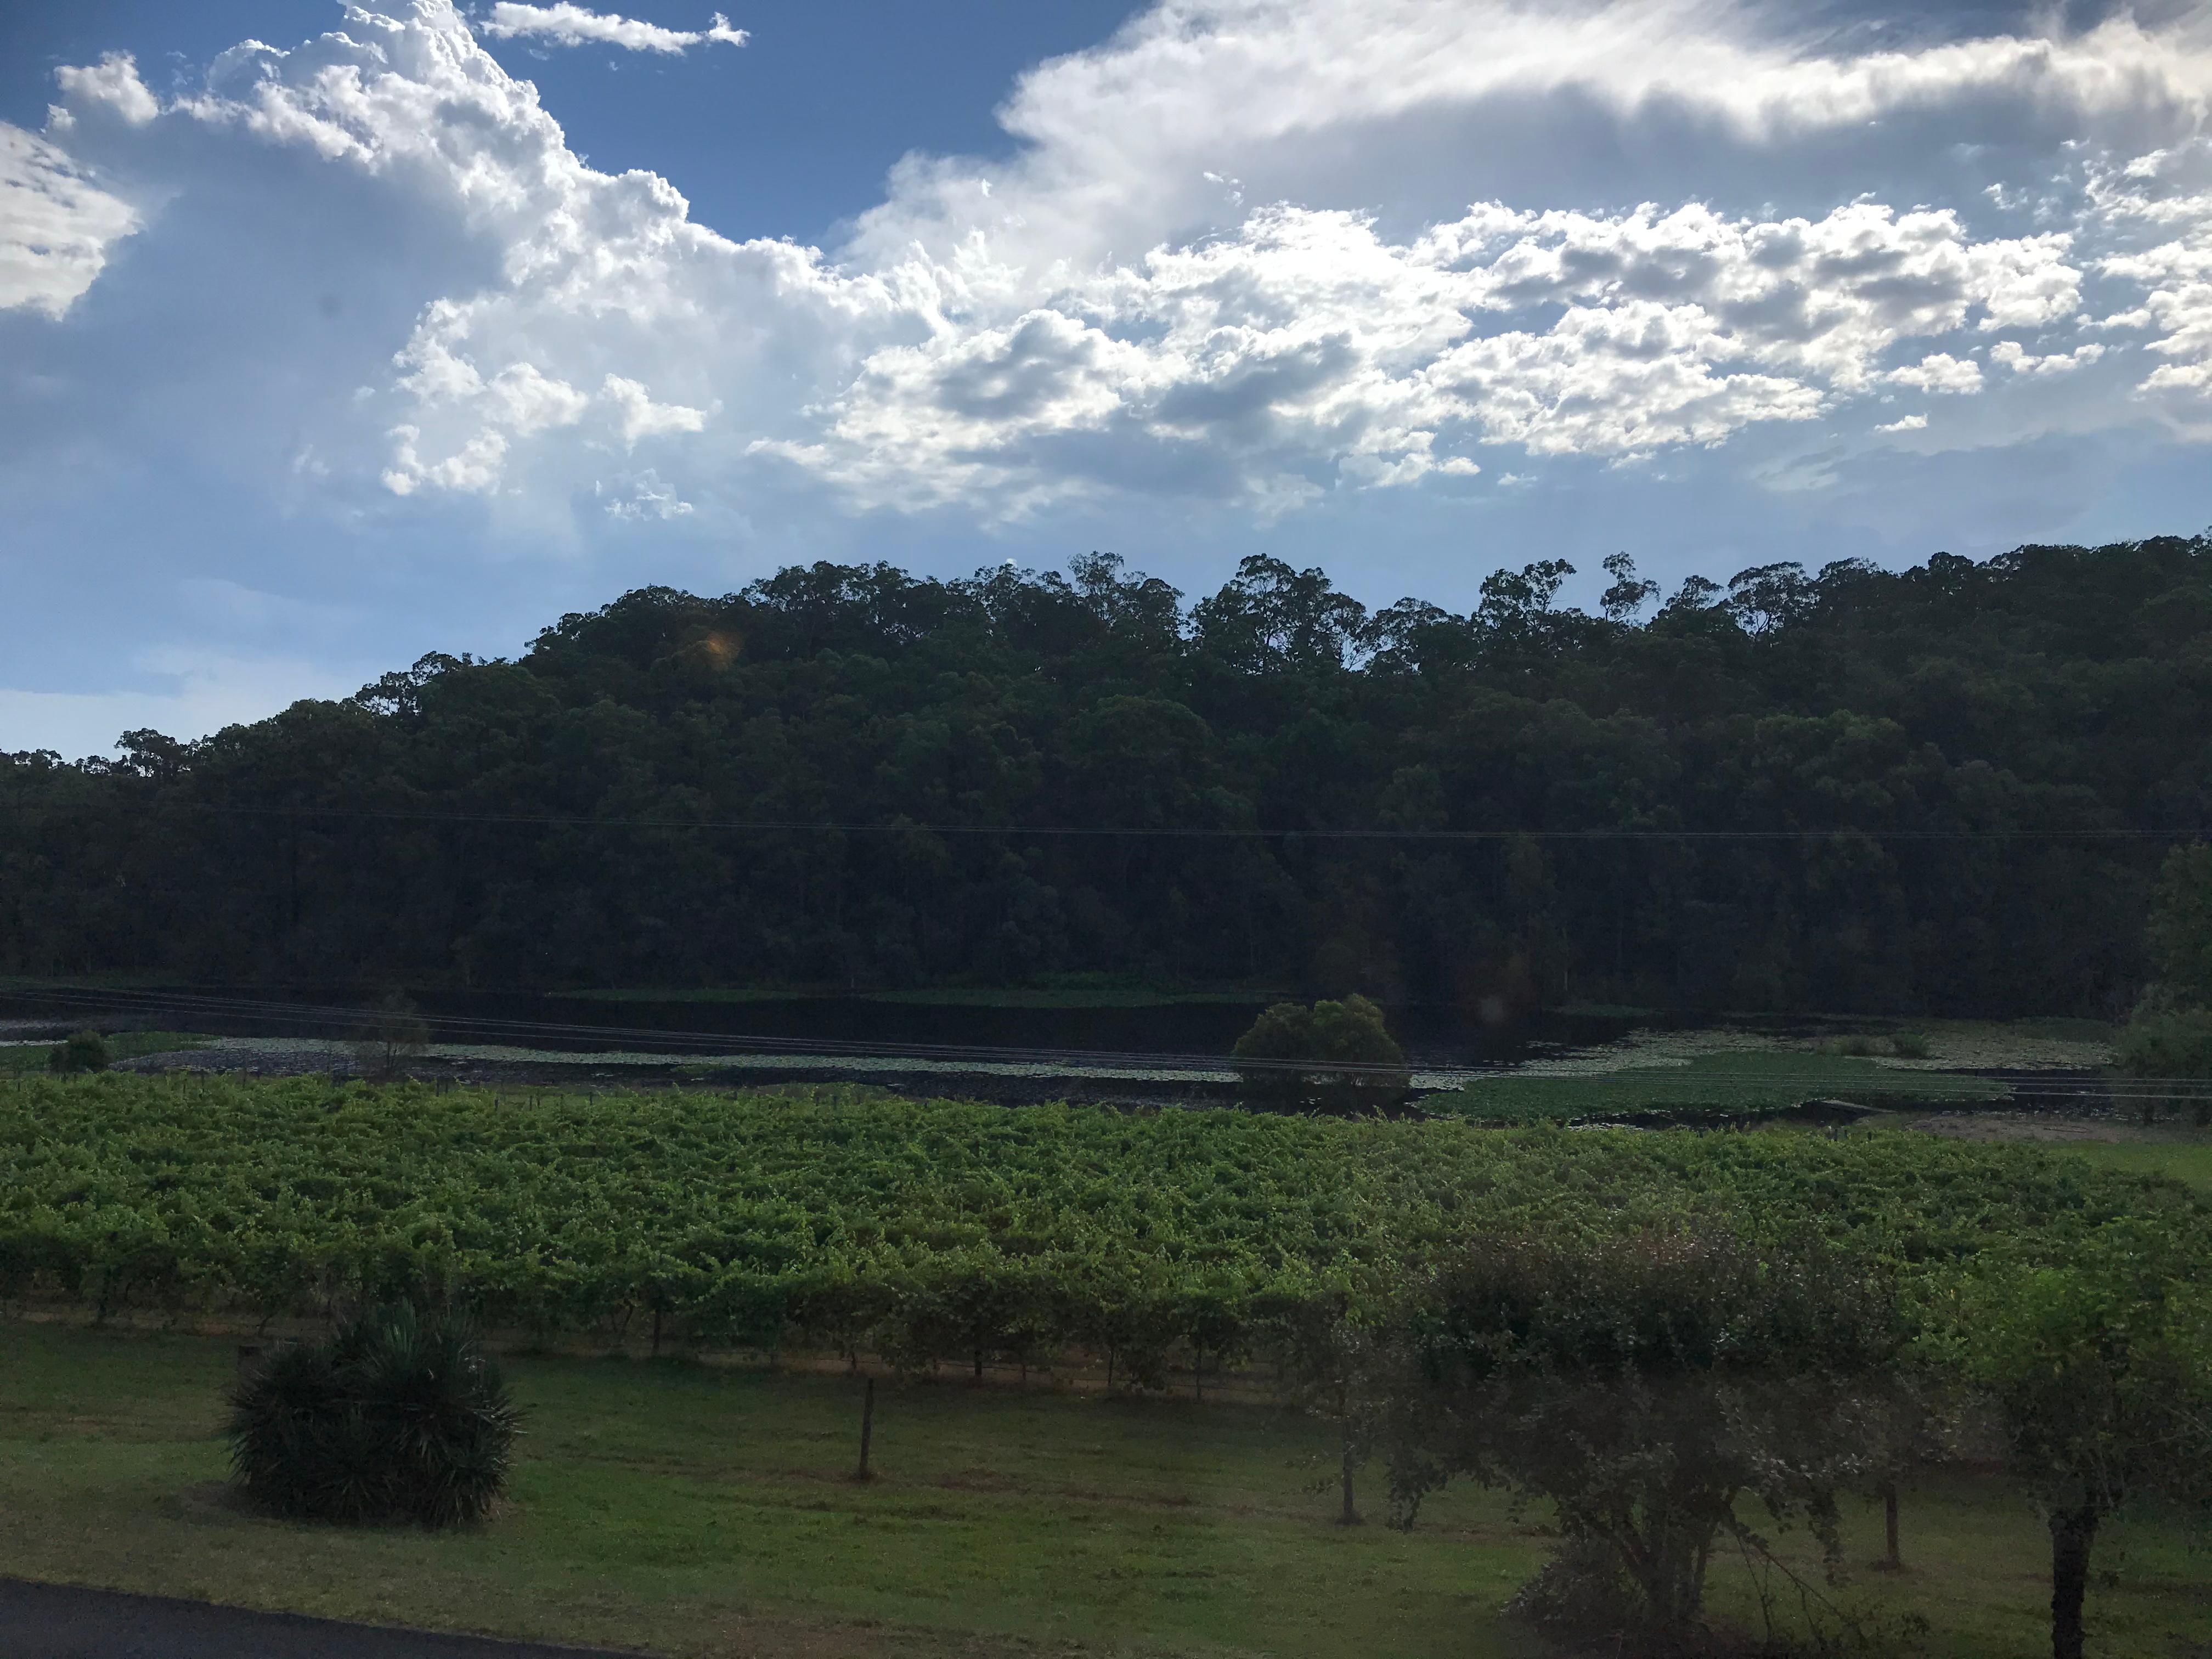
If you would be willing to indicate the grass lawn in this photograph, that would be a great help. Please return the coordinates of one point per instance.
(19, 1057)
(2184, 1160)
(1736, 1081)
(699, 1511)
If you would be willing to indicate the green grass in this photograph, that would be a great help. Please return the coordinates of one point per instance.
(1737, 1083)
(2189, 1161)
(16, 1059)
(696, 1511)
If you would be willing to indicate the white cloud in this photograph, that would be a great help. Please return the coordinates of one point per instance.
(1106, 314)
(571, 25)
(112, 83)
(2017, 358)
(472, 470)
(1905, 423)
(55, 225)
(1939, 371)
(642, 496)
(641, 417)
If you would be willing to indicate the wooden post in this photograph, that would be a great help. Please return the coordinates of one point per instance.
(867, 1429)
(249, 1361)
(1895, 1561)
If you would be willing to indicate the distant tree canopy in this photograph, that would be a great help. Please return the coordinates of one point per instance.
(1946, 789)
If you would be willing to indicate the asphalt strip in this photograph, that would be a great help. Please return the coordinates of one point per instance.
(64, 1621)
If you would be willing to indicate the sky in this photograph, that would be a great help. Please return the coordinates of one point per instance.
(331, 335)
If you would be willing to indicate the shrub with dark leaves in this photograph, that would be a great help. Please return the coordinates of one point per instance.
(397, 1417)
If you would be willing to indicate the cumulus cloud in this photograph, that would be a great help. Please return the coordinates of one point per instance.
(111, 83)
(567, 25)
(1203, 275)
(56, 225)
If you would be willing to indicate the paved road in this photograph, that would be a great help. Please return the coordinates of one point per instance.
(57, 1621)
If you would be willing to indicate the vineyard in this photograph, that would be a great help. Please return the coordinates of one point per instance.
(845, 1220)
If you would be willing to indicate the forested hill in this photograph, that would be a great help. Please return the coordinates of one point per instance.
(1942, 789)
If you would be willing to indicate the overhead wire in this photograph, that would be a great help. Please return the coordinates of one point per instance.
(826, 826)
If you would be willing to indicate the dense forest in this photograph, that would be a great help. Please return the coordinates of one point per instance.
(1944, 789)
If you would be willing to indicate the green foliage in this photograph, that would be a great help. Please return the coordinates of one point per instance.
(121, 1045)
(83, 1051)
(2175, 1046)
(2101, 1367)
(397, 1416)
(1884, 779)
(1728, 1084)
(1295, 1052)
(2181, 927)
(1643, 1388)
(843, 1219)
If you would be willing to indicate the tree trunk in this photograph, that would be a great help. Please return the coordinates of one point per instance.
(1350, 1517)
(867, 1429)
(1893, 1561)
(2073, 1533)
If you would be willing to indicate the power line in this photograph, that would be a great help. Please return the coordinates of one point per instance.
(820, 826)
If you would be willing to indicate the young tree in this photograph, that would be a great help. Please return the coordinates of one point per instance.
(2101, 1370)
(393, 1034)
(1645, 1388)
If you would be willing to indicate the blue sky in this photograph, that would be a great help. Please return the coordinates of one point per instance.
(329, 336)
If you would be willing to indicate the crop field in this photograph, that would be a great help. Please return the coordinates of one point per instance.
(845, 1219)
(699, 1510)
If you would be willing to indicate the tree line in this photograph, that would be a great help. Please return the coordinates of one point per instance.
(1947, 788)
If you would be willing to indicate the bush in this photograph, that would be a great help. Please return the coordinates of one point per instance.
(1348, 1035)
(2170, 1045)
(1909, 1045)
(398, 1417)
(84, 1051)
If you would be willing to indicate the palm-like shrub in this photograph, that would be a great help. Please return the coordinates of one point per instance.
(397, 1417)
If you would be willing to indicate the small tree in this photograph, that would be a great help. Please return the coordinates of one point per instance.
(2101, 1372)
(1350, 1057)
(393, 1034)
(1644, 1388)
(396, 1416)
(83, 1051)
(1333, 1364)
